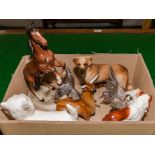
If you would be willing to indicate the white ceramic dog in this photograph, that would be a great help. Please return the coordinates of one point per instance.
(129, 99)
(132, 95)
(139, 108)
(134, 112)
(21, 108)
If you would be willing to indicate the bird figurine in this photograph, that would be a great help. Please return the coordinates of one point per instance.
(134, 112)
(116, 96)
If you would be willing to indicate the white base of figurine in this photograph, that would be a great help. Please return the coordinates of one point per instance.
(55, 115)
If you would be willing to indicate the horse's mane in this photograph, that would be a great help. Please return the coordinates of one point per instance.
(30, 28)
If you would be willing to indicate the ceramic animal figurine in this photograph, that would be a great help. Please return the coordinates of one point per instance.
(85, 105)
(39, 39)
(42, 61)
(115, 95)
(134, 112)
(21, 107)
(67, 87)
(48, 95)
(88, 70)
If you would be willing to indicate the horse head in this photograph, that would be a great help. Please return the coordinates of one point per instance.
(36, 36)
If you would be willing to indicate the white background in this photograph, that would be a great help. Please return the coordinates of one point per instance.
(89, 9)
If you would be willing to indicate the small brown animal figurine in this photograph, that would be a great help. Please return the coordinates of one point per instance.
(90, 70)
(134, 112)
(42, 62)
(86, 105)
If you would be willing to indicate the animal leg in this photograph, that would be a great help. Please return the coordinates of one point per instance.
(72, 111)
(122, 80)
(30, 81)
(58, 77)
(31, 87)
(58, 63)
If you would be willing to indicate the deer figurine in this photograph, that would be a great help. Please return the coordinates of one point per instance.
(85, 105)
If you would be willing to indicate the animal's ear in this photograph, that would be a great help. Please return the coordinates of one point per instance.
(89, 60)
(30, 28)
(75, 60)
(94, 79)
(4, 105)
(33, 25)
(83, 86)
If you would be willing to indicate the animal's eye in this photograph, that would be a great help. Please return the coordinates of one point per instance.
(129, 98)
(53, 88)
(85, 64)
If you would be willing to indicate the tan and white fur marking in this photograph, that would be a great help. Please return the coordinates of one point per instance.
(133, 94)
(139, 108)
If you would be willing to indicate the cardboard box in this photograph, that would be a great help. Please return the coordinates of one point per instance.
(138, 75)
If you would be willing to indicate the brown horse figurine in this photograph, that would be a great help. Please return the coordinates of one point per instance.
(42, 62)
